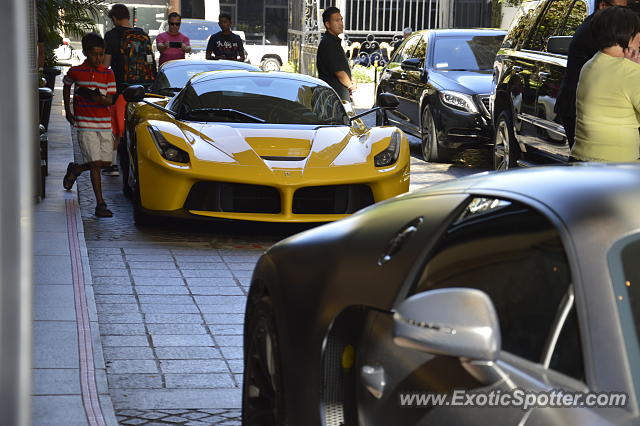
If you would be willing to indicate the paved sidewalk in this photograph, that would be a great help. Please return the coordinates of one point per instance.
(69, 374)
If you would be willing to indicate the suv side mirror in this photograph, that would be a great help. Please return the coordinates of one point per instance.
(460, 322)
(412, 64)
(559, 44)
(134, 93)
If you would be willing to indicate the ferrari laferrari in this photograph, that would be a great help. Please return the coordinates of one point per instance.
(273, 147)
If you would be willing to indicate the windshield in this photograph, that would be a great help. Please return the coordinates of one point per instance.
(251, 99)
(471, 53)
(177, 77)
(199, 30)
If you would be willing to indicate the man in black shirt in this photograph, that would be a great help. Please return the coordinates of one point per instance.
(581, 50)
(331, 60)
(225, 44)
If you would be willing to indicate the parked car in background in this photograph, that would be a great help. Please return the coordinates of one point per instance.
(528, 71)
(174, 75)
(443, 79)
(259, 146)
(524, 279)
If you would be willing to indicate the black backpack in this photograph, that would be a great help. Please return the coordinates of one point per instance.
(138, 62)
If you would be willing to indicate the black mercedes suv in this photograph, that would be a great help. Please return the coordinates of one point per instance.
(527, 74)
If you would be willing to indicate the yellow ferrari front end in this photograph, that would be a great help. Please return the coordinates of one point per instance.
(243, 160)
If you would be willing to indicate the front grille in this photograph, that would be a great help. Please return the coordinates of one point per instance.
(332, 199)
(233, 197)
(486, 103)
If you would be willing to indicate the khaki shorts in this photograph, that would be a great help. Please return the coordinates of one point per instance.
(96, 146)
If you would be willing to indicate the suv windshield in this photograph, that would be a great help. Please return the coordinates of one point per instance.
(254, 99)
(472, 53)
(199, 30)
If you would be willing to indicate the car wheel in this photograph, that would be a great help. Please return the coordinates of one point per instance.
(139, 216)
(270, 64)
(431, 151)
(505, 148)
(123, 159)
(262, 392)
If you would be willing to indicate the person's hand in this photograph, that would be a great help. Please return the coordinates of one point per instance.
(185, 48)
(632, 54)
(352, 88)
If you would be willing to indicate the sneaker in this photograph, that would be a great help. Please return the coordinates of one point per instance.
(103, 211)
(111, 171)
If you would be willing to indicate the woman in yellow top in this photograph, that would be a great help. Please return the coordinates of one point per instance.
(608, 97)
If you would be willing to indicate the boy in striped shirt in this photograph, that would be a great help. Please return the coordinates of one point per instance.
(94, 87)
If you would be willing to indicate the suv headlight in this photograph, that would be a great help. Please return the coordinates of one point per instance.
(459, 101)
(167, 150)
(390, 154)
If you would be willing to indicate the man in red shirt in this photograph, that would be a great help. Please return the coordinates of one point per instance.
(172, 44)
(94, 87)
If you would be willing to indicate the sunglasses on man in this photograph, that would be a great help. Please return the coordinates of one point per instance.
(174, 24)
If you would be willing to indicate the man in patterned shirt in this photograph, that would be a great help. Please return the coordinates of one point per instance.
(94, 87)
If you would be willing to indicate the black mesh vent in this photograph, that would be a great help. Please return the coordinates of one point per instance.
(334, 199)
(233, 197)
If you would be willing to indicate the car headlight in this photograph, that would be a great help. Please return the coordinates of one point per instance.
(390, 154)
(167, 150)
(459, 101)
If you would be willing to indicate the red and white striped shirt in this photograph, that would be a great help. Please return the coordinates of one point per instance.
(89, 115)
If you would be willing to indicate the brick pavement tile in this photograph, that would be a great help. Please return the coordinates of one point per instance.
(242, 258)
(181, 340)
(242, 274)
(175, 419)
(223, 330)
(165, 266)
(206, 273)
(115, 298)
(203, 251)
(161, 289)
(190, 258)
(100, 251)
(98, 272)
(173, 318)
(124, 352)
(199, 282)
(229, 340)
(195, 415)
(166, 299)
(218, 319)
(125, 341)
(154, 273)
(241, 266)
(98, 281)
(134, 381)
(146, 250)
(158, 308)
(156, 281)
(202, 265)
(238, 379)
(245, 281)
(132, 366)
(98, 257)
(198, 381)
(116, 308)
(217, 291)
(120, 318)
(176, 329)
(220, 300)
(148, 258)
(103, 264)
(133, 422)
(193, 366)
(232, 352)
(186, 352)
(152, 415)
(236, 365)
(112, 289)
(223, 309)
(122, 329)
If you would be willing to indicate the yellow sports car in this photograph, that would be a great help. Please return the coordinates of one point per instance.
(273, 147)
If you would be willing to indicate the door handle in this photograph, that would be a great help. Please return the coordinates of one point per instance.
(544, 75)
(374, 380)
(516, 69)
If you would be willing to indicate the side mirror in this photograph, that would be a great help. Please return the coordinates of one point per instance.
(44, 93)
(412, 64)
(387, 100)
(460, 322)
(134, 93)
(559, 44)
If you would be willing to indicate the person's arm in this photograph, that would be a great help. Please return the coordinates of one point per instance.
(107, 50)
(66, 96)
(186, 45)
(240, 50)
(209, 54)
(161, 44)
(344, 79)
(106, 61)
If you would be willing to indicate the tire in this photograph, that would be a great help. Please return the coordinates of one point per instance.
(431, 151)
(505, 149)
(139, 216)
(263, 400)
(270, 64)
(123, 158)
